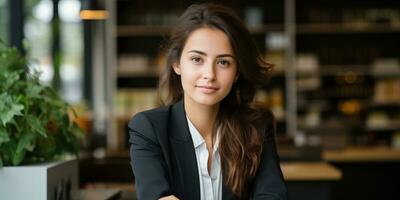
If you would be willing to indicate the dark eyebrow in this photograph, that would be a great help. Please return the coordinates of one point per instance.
(225, 55)
(198, 52)
(204, 54)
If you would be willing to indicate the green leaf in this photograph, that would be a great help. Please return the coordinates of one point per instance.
(18, 157)
(33, 90)
(8, 79)
(36, 125)
(16, 125)
(15, 110)
(3, 135)
(26, 142)
(8, 149)
(8, 108)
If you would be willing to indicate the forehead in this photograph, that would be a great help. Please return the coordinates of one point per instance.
(208, 40)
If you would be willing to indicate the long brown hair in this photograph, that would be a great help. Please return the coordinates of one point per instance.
(240, 144)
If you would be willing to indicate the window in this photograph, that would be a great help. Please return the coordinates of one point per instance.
(4, 20)
(38, 33)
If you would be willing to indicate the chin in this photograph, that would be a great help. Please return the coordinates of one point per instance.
(205, 99)
(208, 100)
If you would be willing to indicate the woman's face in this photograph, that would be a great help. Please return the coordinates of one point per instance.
(207, 67)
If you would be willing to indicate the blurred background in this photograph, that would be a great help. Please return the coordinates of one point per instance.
(335, 90)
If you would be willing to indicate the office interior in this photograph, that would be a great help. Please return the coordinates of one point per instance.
(335, 88)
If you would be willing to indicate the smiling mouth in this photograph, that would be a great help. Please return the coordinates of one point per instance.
(207, 89)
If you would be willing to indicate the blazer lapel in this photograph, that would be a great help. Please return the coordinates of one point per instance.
(183, 152)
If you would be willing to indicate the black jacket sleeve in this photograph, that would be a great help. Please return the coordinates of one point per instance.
(147, 161)
(269, 183)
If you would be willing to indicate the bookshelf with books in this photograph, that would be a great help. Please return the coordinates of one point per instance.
(352, 48)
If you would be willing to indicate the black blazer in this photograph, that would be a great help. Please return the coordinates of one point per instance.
(164, 163)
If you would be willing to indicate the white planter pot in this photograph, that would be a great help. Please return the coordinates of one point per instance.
(52, 180)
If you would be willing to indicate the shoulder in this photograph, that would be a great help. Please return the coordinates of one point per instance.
(152, 114)
(147, 120)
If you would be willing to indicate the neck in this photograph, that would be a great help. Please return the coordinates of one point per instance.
(202, 117)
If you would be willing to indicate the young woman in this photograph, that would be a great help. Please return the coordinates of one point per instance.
(208, 142)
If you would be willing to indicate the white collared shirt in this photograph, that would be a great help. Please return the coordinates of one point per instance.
(210, 184)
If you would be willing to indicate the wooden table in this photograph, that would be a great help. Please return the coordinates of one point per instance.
(310, 180)
(310, 171)
(368, 173)
(97, 194)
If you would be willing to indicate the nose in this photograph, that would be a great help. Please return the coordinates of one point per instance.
(209, 71)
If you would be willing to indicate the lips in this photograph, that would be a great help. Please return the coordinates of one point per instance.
(207, 89)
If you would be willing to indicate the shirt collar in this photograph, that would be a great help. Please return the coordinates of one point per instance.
(198, 138)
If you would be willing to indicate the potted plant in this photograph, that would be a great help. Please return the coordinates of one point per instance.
(34, 121)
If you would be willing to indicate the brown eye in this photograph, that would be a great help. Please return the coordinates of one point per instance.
(224, 63)
(196, 60)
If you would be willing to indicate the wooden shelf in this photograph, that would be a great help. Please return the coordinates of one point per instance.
(164, 30)
(335, 70)
(349, 28)
(342, 70)
(142, 30)
(151, 30)
(362, 154)
(149, 74)
(267, 28)
(388, 105)
(392, 127)
(387, 76)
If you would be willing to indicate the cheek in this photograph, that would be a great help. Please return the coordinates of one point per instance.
(188, 77)
(189, 72)
(229, 77)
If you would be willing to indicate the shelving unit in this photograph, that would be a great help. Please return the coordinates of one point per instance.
(152, 30)
(346, 28)
(345, 39)
(355, 45)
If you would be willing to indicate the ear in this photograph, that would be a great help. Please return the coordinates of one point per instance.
(177, 68)
(236, 77)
